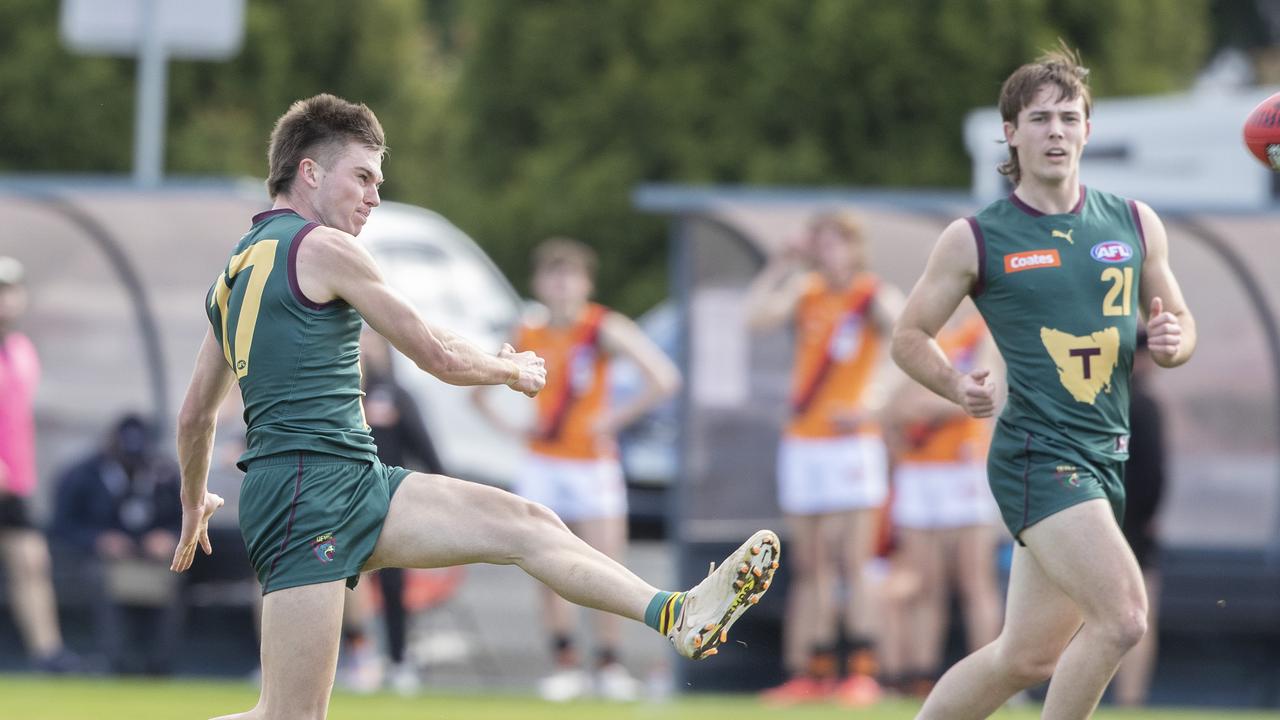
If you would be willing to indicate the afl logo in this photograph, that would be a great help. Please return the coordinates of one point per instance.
(1111, 252)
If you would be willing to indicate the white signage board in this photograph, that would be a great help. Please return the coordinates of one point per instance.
(192, 29)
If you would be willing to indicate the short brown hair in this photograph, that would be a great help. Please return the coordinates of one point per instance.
(318, 127)
(562, 251)
(1059, 67)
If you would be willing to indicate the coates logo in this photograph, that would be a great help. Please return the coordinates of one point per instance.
(1031, 260)
(1111, 251)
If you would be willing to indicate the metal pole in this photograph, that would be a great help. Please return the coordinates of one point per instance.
(149, 103)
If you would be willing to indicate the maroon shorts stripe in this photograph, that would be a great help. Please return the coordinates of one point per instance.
(288, 528)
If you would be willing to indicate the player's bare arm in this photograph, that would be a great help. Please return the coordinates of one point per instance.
(912, 402)
(774, 293)
(1171, 330)
(620, 336)
(210, 383)
(331, 264)
(948, 277)
(883, 313)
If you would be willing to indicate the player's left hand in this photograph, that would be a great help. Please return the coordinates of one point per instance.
(976, 395)
(195, 529)
(1164, 333)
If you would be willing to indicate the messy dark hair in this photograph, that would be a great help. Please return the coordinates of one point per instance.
(1060, 67)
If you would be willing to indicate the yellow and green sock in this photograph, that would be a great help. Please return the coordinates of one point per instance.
(663, 610)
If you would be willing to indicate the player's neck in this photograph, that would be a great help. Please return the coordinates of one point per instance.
(305, 210)
(1050, 198)
(565, 315)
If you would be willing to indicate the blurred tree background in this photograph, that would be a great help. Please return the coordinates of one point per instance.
(521, 120)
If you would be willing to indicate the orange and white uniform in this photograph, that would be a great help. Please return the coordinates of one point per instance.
(570, 468)
(940, 481)
(823, 468)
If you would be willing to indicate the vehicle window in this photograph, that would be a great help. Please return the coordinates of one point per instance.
(457, 290)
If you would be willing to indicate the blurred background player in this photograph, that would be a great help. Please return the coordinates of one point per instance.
(22, 545)
(572, 465)
(832, 465)
(1144, 480)
(395, 421)
(117, 511)
(943, 517)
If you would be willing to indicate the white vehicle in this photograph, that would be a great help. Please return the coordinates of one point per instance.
(454, 284)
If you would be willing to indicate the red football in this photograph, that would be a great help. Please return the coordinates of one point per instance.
(1262, 132)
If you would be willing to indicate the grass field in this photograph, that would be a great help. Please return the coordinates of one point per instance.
(25, 698)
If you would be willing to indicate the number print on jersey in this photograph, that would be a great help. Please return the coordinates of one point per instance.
(1085, 364)
(259, 260)
(1121, 286)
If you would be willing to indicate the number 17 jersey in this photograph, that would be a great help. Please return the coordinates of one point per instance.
(297, 361)
(1060, 295)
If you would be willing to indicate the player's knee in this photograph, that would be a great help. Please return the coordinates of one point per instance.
(1027, 665)
(1128, 627)
(1033, 670)
(536, 517)
(518, 526)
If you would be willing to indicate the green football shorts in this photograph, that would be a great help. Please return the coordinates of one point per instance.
(1033, 477)
(310, 518)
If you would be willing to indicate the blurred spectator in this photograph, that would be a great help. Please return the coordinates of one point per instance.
(23, 547)
(832, 464)
(572, 466)
(118, 511)
(944, 519)
(402, 439)
(1144, 486)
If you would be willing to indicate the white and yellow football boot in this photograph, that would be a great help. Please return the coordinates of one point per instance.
(724, 595)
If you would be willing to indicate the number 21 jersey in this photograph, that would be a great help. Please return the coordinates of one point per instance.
(1060, 295)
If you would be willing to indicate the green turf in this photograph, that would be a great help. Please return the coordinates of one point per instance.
(55, 699)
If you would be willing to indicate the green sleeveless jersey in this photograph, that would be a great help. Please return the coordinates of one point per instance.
(1060, 294)
(297, 361)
